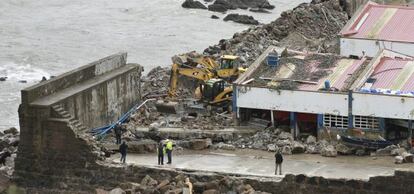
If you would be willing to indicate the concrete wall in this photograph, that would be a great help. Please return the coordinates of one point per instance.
(53, 114)
(385, 106)
(292, 101)
(350, 46)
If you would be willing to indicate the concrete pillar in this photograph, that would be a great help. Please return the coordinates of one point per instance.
(350, 116)
(272, 118)
(235, 110)
(293, 124)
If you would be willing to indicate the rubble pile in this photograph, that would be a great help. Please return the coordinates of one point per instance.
(154, 120)
(9, 141)
(401, 155)
(180, 184)
(310, 26)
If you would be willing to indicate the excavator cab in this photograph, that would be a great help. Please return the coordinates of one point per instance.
(229, 67)
(216, 91)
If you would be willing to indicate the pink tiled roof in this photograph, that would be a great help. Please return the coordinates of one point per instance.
(382, 22)
(394, 74)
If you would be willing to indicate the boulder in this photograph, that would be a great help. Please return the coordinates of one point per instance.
(343, 149)
(11, 130)
(214, 17)
(200, 144)
(298, 148)
(408, 157)
(193, 4)
(117, 191)
(287, 150)
(272, 148)
(148, 181)
(398, 159)
(311, 149)
(3, 78)
(329, 151)
(163, 183)
(285, 135)
(311, 139)
(243, 19)
(283, 142)
(397, 151)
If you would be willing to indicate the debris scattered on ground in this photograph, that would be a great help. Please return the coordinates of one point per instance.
(179, 184)
(243, 19)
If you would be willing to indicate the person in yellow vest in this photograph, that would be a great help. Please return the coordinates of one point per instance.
(169, 148)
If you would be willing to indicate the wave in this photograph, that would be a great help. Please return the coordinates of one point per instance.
(20, 72)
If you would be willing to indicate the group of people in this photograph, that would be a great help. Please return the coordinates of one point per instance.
(165, 147)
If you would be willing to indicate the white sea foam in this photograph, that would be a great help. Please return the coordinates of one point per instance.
(20, 72)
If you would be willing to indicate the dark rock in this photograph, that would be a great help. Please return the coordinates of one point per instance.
(22, 81)
(243, 19)
(214, 17)
(193, 4)
(3, 78)
(11, 130)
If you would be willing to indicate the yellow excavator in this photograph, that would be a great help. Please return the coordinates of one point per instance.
(215, 88)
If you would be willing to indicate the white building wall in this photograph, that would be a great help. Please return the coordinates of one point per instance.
(386, 106)
(350, 46)
(294, 101)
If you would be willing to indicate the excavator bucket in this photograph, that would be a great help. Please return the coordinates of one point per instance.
(168, 107)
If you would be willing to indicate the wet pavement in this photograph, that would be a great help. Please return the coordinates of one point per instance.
(258, 166)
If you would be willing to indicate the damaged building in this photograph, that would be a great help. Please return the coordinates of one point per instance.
(320, 94)
(374, 27)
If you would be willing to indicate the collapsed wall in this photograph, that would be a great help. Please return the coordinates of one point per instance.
(55, 116)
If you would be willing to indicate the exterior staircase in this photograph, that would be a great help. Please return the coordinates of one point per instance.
(73, 122)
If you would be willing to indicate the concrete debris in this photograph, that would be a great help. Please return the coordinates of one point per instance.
(178, 185)
(398, 151)
(193, 4)
(398, 159)
(224, 146)
(311, 139)
(243, 19)
(9, 142)
(343, 149)
(329, 151)
(316, 23)
(117, 191)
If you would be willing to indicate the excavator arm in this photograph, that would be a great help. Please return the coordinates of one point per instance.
(193, 72)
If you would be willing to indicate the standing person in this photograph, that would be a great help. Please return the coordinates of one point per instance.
(169, 148)
(279, 160)
(118, 132)
(161, 152)
(123, 150)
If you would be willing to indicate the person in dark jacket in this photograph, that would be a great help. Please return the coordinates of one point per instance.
(118, 133)
(279, 161)
(161, 152)
(123, 150)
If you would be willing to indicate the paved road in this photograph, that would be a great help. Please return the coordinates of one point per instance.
(263, 166)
